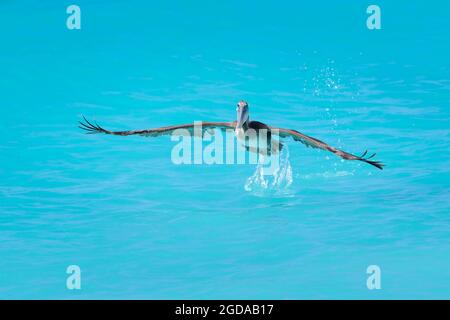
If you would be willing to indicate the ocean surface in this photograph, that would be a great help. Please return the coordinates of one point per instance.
(141, 227)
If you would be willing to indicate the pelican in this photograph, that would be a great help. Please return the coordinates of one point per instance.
(240, 127)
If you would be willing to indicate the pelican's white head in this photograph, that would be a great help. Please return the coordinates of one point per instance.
(242, 114)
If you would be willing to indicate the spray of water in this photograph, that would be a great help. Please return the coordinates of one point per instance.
(278, 181)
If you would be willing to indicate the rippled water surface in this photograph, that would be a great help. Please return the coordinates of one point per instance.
(140, 226)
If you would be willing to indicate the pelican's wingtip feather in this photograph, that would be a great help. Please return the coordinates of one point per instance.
(366, 159)
(90, 127)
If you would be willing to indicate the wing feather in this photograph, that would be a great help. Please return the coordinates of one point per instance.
(315, 143)
(92, 127)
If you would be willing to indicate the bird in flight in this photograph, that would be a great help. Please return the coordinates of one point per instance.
(241, 126)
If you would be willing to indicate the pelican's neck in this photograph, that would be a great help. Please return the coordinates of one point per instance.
(241, 130)
(243, 127)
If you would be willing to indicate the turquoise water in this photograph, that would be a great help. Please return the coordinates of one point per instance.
(139, 226)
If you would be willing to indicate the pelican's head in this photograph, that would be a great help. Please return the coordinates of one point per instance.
(242, 113)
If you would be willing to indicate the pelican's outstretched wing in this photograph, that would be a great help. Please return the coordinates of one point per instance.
(315, 143)
(95, 128)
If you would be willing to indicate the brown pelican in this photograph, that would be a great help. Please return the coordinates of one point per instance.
(240, 126)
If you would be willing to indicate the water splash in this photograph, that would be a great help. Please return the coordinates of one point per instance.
(272, 181)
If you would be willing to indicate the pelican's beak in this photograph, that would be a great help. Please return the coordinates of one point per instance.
(242, 116)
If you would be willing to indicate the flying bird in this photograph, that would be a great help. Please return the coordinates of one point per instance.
(241, 126)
